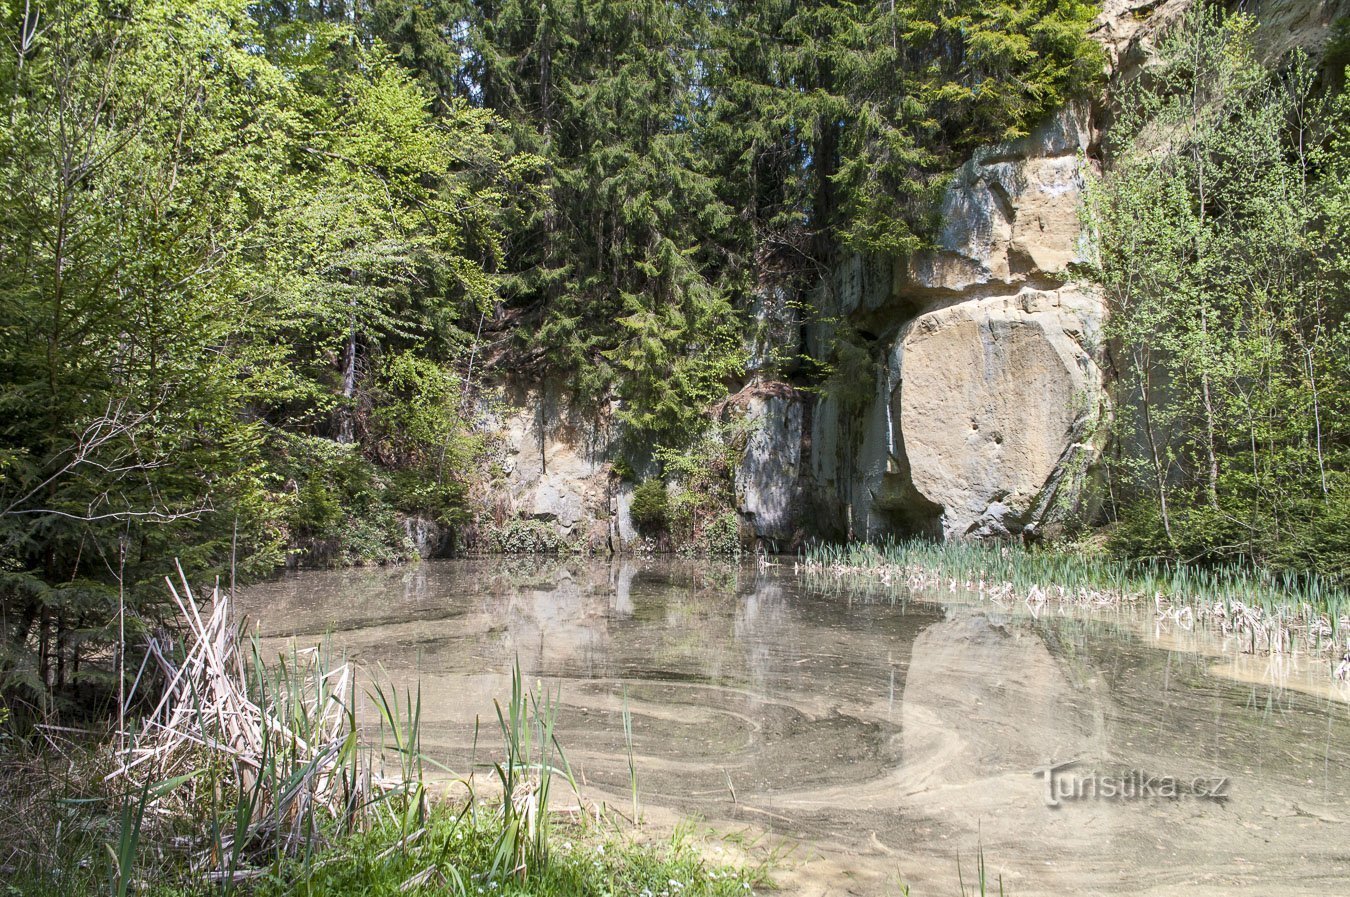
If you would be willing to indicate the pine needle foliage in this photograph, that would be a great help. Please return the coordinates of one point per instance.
(698, 152)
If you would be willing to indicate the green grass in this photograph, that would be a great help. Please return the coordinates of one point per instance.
(533, 758)
(1275, 609)
(452, 853)
(980, 886)
(455, 854)
(632, 763)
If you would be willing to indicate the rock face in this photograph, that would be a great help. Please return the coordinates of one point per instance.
(427, 537)
(1011, 213)
(1283, 25)
(987, 392)
(980, 416)
(996, 400)
(995, 389)
(768, 491)
(555, 461)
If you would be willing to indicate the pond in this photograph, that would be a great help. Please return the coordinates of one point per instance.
(868, 738)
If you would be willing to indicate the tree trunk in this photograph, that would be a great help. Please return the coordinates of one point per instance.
(1160, 475)
(347, 412)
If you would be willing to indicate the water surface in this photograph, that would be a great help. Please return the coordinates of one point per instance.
(873, 738)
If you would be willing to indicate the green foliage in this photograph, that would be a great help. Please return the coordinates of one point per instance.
(620, 266)
(721, 535)
(702, 517)
(852, 375)
(318, 509)
(524, 535)
(651, 506)
(417, 429)
(229, 240)
(1222, 225)
(340, 511)
(923, 83)
(1336, 54)
(838, 118)
(695, 153)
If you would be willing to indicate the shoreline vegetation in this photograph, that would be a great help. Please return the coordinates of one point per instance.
(257, 778)
(1266, 611)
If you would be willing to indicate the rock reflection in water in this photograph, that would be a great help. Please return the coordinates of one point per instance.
(882, 738)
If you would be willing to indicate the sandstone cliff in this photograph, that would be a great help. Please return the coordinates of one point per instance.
(985, 410)
(982, 409)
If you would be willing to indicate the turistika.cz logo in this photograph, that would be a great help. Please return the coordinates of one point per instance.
(1061, 785)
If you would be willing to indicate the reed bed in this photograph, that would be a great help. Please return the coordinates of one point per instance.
(266, 759)
(1264, 611)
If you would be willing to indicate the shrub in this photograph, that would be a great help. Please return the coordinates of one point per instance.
(651, 506)
(341, 512)
(524, 536)
(722, 536)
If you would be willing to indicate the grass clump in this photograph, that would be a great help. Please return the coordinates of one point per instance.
(454, 854)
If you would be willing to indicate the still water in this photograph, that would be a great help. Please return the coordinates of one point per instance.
(870, 739)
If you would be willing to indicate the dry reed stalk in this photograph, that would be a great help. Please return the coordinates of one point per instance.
(284, 748)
